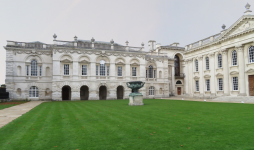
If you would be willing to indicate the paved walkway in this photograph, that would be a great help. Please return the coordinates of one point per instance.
(11, 113)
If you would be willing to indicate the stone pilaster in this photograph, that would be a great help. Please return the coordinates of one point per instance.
(201, 75)
(225, 72)
(241, 78)
(190, 75)
(112, 71)
(127, 71)
(212, 72)
(75, 70)
(186, 84)
(93, 70)
(173, 79)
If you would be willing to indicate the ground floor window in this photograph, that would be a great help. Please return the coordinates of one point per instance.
(151, 90)
(220, 84)
(235, 83)
(208, 85)
(197, 85)
(33, 92)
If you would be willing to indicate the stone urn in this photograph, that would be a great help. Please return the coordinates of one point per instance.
(135, 98)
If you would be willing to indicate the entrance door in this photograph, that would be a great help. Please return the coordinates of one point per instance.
(103, 93)
(84, 93)
(119, 92)
(251, 85)
(66, 93)
(178, 90)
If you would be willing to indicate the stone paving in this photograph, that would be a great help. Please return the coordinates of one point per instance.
(11, 113)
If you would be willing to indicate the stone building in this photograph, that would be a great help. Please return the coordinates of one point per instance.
(219, 66)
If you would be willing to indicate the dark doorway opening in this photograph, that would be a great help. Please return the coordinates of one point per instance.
(119, 92)
(84, 93)
(66, 93)
(103, 93)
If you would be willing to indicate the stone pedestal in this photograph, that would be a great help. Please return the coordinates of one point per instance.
(136, 99)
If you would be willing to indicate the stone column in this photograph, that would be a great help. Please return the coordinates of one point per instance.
(93, 70)
(112, 71)
(225, 72)
(56, 70)
(241, 78)
(190, 77)
(201, 76)
(212, 72)
(173, 79)
(127, 71)
(75, 70)
(185, 71)
(142, 72)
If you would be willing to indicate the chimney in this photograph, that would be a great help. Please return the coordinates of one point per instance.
(151, 45)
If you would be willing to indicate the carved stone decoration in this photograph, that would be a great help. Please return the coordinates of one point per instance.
(239, 48)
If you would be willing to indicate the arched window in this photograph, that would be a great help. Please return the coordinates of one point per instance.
(102, 68)
(151, 90)
(196, 65)
(251, 54)
(33, 68)
(219, 61)
(234, 58)
(150, 71)
(178, 82)
(33, 92)
(177, 66)
(207, 63)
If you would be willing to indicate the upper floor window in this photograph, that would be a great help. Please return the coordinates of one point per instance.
(107, 70)
(33, 68)
(251, 54)
(235, 83)
(119, 70)
(33, 92)
(102, 68)
(207, 63)
(40, 70)
(66, 69)
(196, 65)
(177, 66)
(97, 68)
(150, 71)
(234, 58)
(219, 61)
(27, 70)
(84, 69)
(151, 90)
(134, 71)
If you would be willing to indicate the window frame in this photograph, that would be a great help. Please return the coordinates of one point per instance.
(220, 84)
(219, 61)
(235, 81)
(208, 86)
(150, 71)
(234, 58)
(251, 54)
(119, 71)
(207, 63)
(66, 69)
(34, 66)
(151, 91)
(84, 70)
(33, 91)
(197, 85)
(196, 65)
(134, 71)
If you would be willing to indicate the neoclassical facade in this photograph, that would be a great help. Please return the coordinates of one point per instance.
(221, 65)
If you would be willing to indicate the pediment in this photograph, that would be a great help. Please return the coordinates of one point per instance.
(196, 77)
(66, 61)
(251, 70)
(207, 76)
(219, 74)
(84, 61)
(241, 25)
(234, 72)
(120, 63)
(135, 64)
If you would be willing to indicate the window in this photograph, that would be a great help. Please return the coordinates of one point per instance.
(177, 66)
(251, 54)
(151, 90)
(196, 65)
(234, 58)
(154, 73)
(119, 70)
(40, 70)
(102, 68)
(97, 68)
(219, 61)
(66, 69)
(208, 85)
(33, 92)
(178, 82)
(235, 83)
(150, 71)
(197, 85)
(134, 71)
(146, 73)
(220, 84)
(84, 69)
(107, 70)
(33, 68)
(27, 70)
(207, 63)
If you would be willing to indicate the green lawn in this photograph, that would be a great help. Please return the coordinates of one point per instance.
(112, 124)
(10, 104)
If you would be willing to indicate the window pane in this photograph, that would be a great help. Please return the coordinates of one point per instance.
(220, 84)
(208, 85)
(219, 61)
(134, 73)
(102, 69)
(207, 63)
(234, 58)
(235, 83)
(197, 85)
(84, 69)
(66, 69)
(251, 54)
(150, 71)
(119, 70)
(107, 70)
(33, 68)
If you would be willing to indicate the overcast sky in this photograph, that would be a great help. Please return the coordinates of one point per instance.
(165, 21)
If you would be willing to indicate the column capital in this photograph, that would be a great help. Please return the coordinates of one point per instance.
(224, 51)
(239, 48)
(211, 54)
(200, 57)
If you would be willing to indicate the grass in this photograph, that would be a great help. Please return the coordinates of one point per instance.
(10, 104)
(159, 124)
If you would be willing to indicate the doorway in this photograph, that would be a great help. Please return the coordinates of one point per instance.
(66, 93)
(103, 93)
(251, 85)
(178, 90)
(119, 92)
(84, 93)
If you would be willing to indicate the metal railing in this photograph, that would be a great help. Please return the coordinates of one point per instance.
(180, 75)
